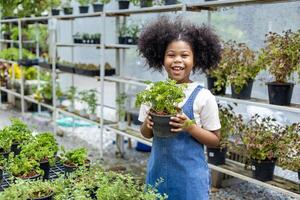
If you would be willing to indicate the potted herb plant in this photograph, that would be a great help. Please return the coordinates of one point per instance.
(5, 142)
(98, 5)
(82, 98)
(281, 58)
(217, 78)
(91, 100)
(133, 32)
(163, 97)
(83, 6)
(74, 158)
(261, 138)
(123, 33)
(241, 61)
(228, 119)
(120, 100)
(71, 93)
(54, 4)
(68, 10)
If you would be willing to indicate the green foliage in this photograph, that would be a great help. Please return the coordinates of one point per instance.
(21, 166)
(83, 2)
(42, 147)
(66, 3)
(12, 54)
(120, 100)
(162, 96)
(28, 190)
(76, 157)
(239, 64)
(30, 73)
(261, 138)
(281, 55)
(100, 1)
(19, 131)
(23, 8)
(289, 148)
(5, 140)
(54, 3)
(90, 98)
(71, 93)
(123, 31)
(131, 31)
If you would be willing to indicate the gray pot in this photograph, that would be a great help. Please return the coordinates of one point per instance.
(161, 127)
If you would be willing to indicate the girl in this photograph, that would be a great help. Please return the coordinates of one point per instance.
(180, 48)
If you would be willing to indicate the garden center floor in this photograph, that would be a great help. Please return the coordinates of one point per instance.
(134, 161)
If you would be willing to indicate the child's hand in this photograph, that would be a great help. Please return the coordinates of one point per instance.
(181, 123)
(149, 122)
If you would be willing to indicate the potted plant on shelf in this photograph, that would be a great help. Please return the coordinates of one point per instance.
(123, 4)
(163, 97)
(133, 32)
(261, 138)
(54, 6)
(281, 58)
(243, 68)
(289, 149)
(91, 100)
(87, 69)
(123, 33)
(71, 93)
(120, 100)
(98, 5)
(217, 78)
(109, 71)
(82, 98)
(83, 6)
(65, 66)
(74, 158)
(68, 10)
(228, 120)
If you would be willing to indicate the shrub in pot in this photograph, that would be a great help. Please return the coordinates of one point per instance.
(217, 78)
(163, 97)
(261, 138)
(133, 32)
(68, 10)
(289, 149)
(228, 120)
(120, 100)
(54, 6)
(83, 6)
(281, 58)
(74, 158)
(243, 68)
(123, 33)
(98, 5)
(5, 143)
(90, 99)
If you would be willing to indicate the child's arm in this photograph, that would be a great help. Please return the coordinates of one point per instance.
(209, 138)
(146, 128)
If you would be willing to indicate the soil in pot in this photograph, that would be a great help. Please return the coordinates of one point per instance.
(245, 92)
(45, 166)
(280, 93)
(263, 170)
(216, 156)
(161, 127)
(31, 176)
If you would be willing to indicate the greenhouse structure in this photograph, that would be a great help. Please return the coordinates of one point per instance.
(150, 99)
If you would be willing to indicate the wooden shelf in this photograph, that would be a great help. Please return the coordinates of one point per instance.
(98, 46)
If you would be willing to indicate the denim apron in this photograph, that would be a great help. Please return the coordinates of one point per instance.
(180, 162)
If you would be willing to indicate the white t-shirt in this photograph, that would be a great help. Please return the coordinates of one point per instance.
(205, 108)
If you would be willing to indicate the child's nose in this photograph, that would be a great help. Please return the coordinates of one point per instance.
(178, 59)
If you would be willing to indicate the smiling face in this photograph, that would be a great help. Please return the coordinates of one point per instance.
(179, 61)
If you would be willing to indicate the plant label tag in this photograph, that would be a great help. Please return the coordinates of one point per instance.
(211, 154)
(52, 24)
(253, 168)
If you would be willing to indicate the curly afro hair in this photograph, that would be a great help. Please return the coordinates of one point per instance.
(156, 37)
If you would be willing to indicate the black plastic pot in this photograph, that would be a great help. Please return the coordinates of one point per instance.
(97, 7)
(170, 2)
(211, 86)
(161, 127)
(216, 156)
(280, 93)
(146, 3)
(110, 72)
(15, 148)
(245, 93)
(83, 9)
(122, 40)
(68, 11)
(3, 97)
(49, 197)
(69, 169)
(34, 177)
(263, 169)
(86, 72)
(65, 68)
(45, 166)
(123, 4)
(54, 11)
(28, 62)
(45, 65)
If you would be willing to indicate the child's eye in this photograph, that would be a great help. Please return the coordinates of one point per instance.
(185, 56)
(170, 55)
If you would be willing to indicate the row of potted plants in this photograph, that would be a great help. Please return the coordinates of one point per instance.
(86, 38)
(94, 183)
(128, 34)
(261, 140)
(240, 65)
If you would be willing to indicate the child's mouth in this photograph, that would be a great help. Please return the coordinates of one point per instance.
(177, 68)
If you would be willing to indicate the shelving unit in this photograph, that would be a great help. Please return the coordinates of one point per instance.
(121, 80)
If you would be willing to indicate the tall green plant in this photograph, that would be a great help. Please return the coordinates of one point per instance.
(120, 100)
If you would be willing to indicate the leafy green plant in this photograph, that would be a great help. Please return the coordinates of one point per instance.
(281, 55)
(133, 30)
(240, 63)
(19, 131)
(120, 100)
(123, 31)
(261, 138)
(83, 2)
(71, 93)
(75, 157)
(289, 148)
(31, 73)
(100, 1)
(162, 96)
(23, 167)
(12, 54)
(5, 140)
(91, 100)
(54, 3)
(66, 3)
